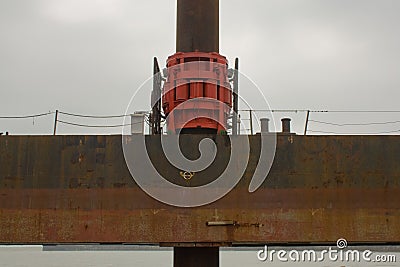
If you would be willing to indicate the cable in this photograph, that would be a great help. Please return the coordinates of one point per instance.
(97, 126)
(27, 116)
(357, 111)
(93, 116)
(274, 110)
(323, 132)
(255, 110)
(320, 111)
(355, 124)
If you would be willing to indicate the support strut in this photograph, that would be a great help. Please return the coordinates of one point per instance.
(196, 257)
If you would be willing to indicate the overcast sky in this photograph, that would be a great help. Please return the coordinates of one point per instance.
(90, 56)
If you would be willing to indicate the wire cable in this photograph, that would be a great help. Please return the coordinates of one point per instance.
(274, 110)
(97, 126)
(324, 132)
(319, 111)
(93, 116)
(355, 124)
(356, 111)
(27, 116)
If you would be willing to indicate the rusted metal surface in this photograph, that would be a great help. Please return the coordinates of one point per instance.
(77, 189)
(197, 26)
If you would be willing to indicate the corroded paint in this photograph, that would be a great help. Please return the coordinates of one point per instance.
(77, 189)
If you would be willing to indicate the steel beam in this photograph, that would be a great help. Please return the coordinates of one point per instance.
(77, 189)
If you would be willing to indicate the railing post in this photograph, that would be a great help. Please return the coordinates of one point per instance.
(251, 122)
(307, 119)
(55, 123)
(235, 98)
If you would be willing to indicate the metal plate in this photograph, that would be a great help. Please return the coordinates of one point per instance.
(77, 189)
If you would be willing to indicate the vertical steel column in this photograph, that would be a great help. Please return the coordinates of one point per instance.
(197, 26)
(196, 257)
(197, 31)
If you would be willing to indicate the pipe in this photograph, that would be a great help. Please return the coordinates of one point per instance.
(264, 125)
(286, 125)
(197, 26)
(196, 256)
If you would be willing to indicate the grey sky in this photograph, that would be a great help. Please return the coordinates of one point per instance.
(87, 56)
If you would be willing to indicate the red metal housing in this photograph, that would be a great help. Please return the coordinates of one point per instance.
(200, 76)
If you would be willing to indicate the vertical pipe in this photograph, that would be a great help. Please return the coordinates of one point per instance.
(137, 123)
(235, 98)
(286, 125)
(55, 123)
(264, 125)
(197, 26)
(197, 31)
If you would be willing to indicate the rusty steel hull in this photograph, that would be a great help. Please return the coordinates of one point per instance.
(77, 189)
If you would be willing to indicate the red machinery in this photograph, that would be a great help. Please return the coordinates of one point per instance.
(197, 95)
(203, 77)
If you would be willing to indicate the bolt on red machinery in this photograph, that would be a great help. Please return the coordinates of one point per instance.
(197, 92)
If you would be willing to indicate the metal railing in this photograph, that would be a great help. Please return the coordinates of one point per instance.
(339, 122)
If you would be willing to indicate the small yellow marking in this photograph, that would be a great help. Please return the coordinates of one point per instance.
(155, 212)
(314, 211)
(216, 217)
(187, 175)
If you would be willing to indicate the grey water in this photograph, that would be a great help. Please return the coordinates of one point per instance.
(101, 256)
